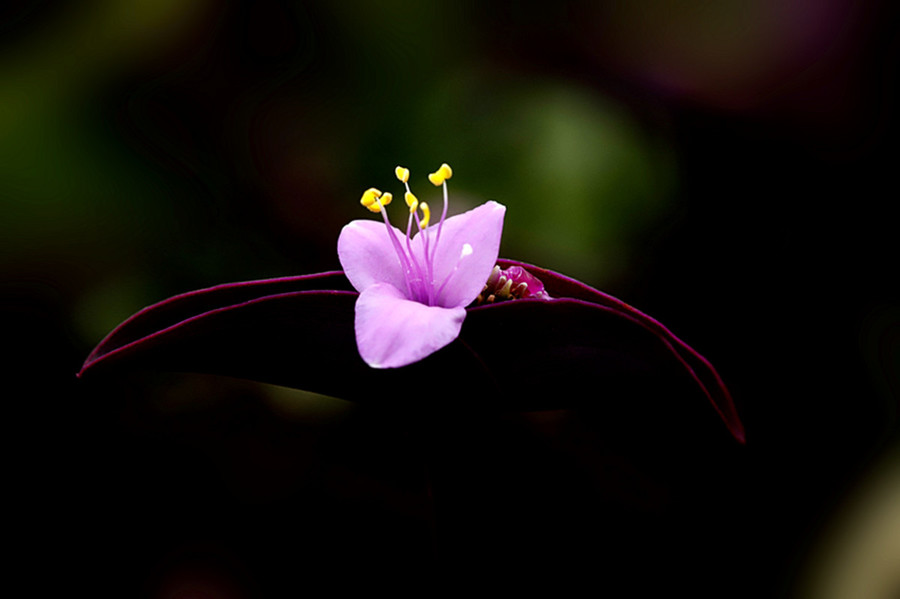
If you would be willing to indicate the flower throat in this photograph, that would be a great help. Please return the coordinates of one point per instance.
(418, 269)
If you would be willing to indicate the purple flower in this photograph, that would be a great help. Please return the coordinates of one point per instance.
(413, 289)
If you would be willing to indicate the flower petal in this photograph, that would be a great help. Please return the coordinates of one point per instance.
(368, 256)
(470, 244)
(392, 331)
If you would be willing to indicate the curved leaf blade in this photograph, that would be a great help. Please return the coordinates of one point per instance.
(524, 354)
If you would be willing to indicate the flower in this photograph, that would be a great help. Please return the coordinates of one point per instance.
(414, 288)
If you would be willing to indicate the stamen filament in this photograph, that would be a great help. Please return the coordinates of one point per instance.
(404, 261)
(429, 266)
(413, 203)
(440, 226)
(412, 257)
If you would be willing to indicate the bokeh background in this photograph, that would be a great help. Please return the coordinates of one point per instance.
(728, 167)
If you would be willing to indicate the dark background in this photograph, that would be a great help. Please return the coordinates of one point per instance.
(727, 167)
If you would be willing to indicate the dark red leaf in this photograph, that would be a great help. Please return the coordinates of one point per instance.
(582, 347)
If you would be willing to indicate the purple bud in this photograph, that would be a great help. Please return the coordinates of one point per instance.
(533, 286)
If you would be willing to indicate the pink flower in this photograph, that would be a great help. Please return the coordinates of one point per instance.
(414, 286)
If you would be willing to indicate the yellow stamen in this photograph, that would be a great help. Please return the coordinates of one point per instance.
(402, 173)
(440, 175)
(370, 196)
(426, 215)
(411, 201)
(374, 200)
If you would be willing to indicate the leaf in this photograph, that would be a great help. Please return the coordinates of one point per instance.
(581, 348)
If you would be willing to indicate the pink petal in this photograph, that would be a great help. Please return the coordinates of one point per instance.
(368, 256)
(392, 331)
(480, 229)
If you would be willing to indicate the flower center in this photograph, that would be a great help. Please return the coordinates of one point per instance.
(417, 259)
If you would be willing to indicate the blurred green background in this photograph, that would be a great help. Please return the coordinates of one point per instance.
(205, 143)
(724, 166)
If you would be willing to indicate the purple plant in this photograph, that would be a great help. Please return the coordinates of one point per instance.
(435, 309)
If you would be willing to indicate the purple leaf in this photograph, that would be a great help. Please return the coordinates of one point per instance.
(583, 347)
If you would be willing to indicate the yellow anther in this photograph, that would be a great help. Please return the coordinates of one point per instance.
(402, 173)
(411, 201)
(426, 215)
(369, 197)
(440, 175)
(374, 200)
